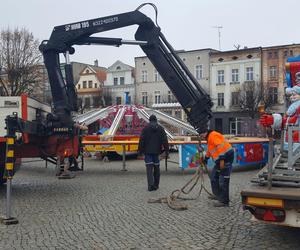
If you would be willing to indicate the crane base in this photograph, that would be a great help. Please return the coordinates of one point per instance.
(66, 175)
(9, 221)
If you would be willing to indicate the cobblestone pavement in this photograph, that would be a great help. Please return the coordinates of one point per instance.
(105, 208)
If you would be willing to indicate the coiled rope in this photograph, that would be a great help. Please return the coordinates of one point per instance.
(178, 194)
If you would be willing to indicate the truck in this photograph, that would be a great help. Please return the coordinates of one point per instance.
(56, 136)
(274, 195)
(27, 109)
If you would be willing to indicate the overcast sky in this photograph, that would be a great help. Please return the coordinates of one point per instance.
(187, 24)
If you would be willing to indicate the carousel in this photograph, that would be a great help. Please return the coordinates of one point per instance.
(125, 122)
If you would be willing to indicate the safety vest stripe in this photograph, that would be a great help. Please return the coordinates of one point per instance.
(216, 148)
(223, 153)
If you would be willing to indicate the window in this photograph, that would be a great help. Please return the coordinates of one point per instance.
(144, 75)
(128, 100)
(249, 74)
(87, 102)
(269, 55)
(90, 84)
(234, 75)
(275, 54)
(234, 98)
(78, 87)
(249, 97)
(144, 98)
(220, 99)
(220, 76)
(84, 84)
(115, 81)
(122, 80)
(118, 100)
(273, 95)
(157, 76)
(199, 72)
(118, 68)
(273, 71)
(235, 126)
(96, 101)
(169, 96)
(95, 86)
(156, 96)
(178, 114)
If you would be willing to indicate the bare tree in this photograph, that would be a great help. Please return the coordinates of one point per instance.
(19, 62)
(252, 95)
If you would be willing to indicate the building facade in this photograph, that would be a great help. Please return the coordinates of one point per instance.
(152, 91)
(89, 87)
(119, 87)
(230, 70)
(274, 59)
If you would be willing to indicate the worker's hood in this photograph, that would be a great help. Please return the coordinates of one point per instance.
(153, 126)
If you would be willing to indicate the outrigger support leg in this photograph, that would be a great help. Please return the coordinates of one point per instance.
(9, 171)
(66, 173)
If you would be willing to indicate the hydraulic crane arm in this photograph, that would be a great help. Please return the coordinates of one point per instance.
(181, 82)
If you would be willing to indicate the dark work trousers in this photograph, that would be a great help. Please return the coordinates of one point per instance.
(153, 171)
(220, 178)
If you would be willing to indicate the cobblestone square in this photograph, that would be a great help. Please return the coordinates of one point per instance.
(106, 208)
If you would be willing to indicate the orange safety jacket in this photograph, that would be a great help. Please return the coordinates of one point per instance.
(217, 145)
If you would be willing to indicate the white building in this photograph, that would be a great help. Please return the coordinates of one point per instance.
(229, 71)
(153, 92)
(119, 86)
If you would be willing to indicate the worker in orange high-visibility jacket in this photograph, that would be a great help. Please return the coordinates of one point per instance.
(222, 153)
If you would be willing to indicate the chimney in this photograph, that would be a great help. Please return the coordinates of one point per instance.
(96, 63)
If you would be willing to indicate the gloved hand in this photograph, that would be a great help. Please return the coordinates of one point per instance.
(205, 160)
(266, 120)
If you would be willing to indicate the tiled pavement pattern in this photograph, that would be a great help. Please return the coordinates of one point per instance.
(105, 208)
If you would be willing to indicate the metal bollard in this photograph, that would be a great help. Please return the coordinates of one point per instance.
(124, 157)
(270, 162)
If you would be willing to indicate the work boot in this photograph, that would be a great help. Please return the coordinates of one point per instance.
(212, 197)
(151, 188)
(221, 204)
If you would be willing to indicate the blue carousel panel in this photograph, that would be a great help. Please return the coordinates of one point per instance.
(245, 154)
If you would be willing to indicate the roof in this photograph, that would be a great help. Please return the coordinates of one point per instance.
(99, 72)
(101, 75)
(124, 66)
(185, 51)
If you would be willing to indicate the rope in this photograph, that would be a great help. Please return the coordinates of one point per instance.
(172, 199)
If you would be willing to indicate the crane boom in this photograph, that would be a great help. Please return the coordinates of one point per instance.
(194, 100)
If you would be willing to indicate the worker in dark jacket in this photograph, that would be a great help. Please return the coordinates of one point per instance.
(152, 140)
(221, 151)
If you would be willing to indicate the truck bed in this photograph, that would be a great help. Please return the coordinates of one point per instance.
(286, 193)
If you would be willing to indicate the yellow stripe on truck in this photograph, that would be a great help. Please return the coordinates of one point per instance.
(264, 202)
